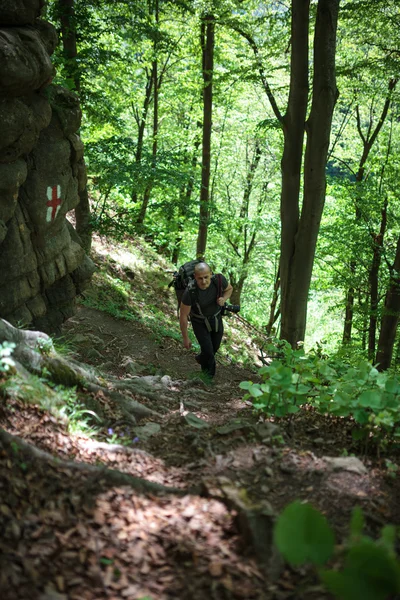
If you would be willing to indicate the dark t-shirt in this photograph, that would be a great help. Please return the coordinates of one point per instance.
(206, 298)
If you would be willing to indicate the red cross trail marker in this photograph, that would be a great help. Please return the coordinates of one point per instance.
(54, 202)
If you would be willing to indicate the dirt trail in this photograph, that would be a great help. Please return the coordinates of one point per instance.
(68, 535)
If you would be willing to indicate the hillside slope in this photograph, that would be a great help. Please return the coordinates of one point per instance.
(181, 504)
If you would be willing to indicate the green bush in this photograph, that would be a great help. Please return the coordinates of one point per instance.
(369, 570)
(332, 386)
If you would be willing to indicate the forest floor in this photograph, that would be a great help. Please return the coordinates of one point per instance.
(70, 535)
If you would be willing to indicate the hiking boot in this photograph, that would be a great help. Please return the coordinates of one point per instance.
(197, 358)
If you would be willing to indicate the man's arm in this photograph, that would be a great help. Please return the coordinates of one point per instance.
(184, 323)
(226, 294)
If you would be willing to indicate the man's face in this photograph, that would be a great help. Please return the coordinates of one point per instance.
(203, 278)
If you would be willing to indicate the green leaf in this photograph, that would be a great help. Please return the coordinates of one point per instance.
(302, 534)
(357, 522)
(371, 398)
(388, 539)
(245, 385)
(392, 386)
(255, 391)
(370, 573)
(361, 416)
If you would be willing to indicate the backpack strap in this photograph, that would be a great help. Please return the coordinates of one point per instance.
(217, 281)
(219, 285)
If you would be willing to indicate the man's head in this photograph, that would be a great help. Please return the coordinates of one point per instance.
(202, 275)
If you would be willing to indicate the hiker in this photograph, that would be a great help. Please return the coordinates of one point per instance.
(204, 307)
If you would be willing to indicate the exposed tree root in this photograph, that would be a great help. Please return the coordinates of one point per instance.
(30, 356)
(103, 476)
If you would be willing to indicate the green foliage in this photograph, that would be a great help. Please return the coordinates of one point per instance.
(45, 346)
(302, 534)
(80, 419)
(333, 386)
(6, 360)
(369, 569)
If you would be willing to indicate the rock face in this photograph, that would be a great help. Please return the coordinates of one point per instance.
(42, 263)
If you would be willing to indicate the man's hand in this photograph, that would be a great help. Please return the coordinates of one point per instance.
(187, 343)
(221, 301)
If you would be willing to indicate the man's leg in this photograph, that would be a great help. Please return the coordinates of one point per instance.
(216, 336)
(206, 358)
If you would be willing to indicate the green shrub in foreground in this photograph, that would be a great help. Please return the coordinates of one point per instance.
(369, 570)
(331, 386)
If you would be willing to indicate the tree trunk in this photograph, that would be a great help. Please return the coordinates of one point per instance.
(348, 318)
(299, 236)
(274, 312)
(374, 282)
(207, 44)
(390, 317)
(367, 141)
(141, 123)
(68, 34)
(242, 240)
(237, 289)
(185, 197)
(147, 192)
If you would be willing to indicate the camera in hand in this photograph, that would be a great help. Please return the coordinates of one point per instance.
(233, 308)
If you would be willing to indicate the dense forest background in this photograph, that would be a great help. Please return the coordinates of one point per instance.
(258, 133)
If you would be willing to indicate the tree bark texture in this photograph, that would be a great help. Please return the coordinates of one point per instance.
(68, 31)
(390, 317)
(299, 234)
(374, 283)
(141, 123)
(207, 42)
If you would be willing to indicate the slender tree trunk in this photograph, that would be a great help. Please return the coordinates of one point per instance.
(242, 237)
(184, 201)
(299, 237)
(237, 289)
(149, 187)
(390, 317)
(367, 141)
(207, 43)
(141, 123)
(274, 311)
(68, 33)
(374, 283)
(293, 129)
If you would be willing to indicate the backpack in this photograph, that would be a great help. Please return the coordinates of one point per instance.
(184, 278)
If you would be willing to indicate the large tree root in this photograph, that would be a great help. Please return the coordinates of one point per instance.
(103, 476)
(34, 353)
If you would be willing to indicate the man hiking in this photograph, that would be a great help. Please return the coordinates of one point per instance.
(203, 302)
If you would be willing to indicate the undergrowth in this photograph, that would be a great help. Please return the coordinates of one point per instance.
(353, 390)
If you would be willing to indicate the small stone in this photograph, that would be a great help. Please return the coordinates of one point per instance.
(269, 472)
(346, 463)
(318, 441)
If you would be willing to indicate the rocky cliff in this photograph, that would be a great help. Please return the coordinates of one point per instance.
(43, 265)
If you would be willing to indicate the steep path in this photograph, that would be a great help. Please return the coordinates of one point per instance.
(70, 534)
